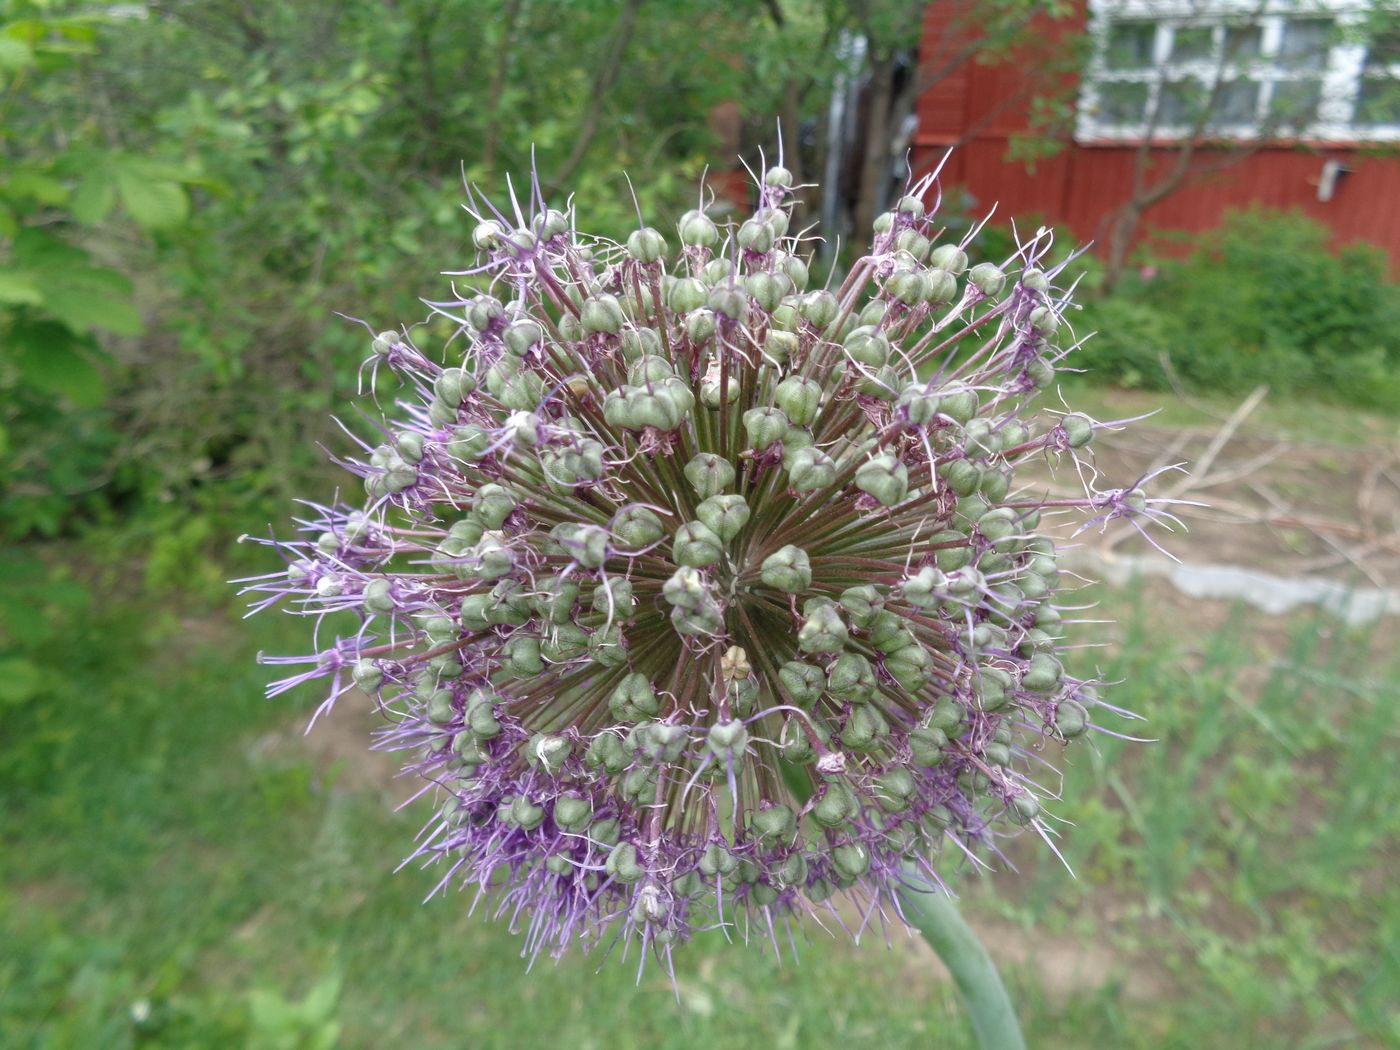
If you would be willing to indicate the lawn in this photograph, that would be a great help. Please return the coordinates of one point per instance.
(183, 869)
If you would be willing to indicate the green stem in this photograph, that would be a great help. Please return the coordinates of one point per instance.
(988, 1006)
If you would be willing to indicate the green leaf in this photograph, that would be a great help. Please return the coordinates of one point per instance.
(83, 310)
(94, 199)
(51, 358)
(14, 55)
(36, 186)
(19, 288)
(153, 204)
(20, 680)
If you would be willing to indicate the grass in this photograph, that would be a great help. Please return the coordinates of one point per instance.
(183, 870)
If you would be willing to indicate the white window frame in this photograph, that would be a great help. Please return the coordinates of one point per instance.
(1339, 81)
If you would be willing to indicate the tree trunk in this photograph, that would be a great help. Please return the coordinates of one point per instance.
(874, 169)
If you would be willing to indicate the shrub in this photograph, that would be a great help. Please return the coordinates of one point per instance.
(1265, 300)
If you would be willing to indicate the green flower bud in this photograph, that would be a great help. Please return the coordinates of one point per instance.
(764, 426)
(820, 308)
(927, 745)
(493, 558)
(492, 504)
(948, 257)
(940, 286)
(715, 860)
(636, 527)
(788, 569)
(1071, 718)
(777, 176)
(700, 325)
(837, 806)
(368, 676)
(803, 682)
(522, 655)
(810, 469)
(893, 789)
(926, 588)
(959, 404)
(780, 345)
(992, 684)
(386, 341)
(648, 370)
(885, 478)
(640, 342)
(696, 545)
(861, 604)
(614, 597)
(997, 754)
(775, 823)
(1079, 430)
(907, 286)
(685, 589)
(823, 631)
(487, 235)
(1043, 321)
(607, 753)
(756, 236)
(1043, 674)
(913, 242)
(799, 399)
(482, 721)
(526, 814)
(646, 245)
(468, 443)
(795, 746)
(884, 222)
(919, 403)
(851, 678)
(864, 729)
(962, 476)
(603, 313)
(686, 294)
(453, 385)
(622, 864)
(634, 699)
(548, 752)
(1023, 809)
(729, 300)
(717, 271)
(606, 833)
(851, 859)
(709, 475)
(703, 618)
(766, 289)
(439, 709)
(910, 667)
(697, 230)
(658, 741)
(572, 813)
(565, 642)
(868, 346)
(724, 515)
(987, 278)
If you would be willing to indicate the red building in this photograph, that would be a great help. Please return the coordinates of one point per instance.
(1288, 105)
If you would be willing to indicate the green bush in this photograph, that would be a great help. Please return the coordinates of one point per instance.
(1265, 300)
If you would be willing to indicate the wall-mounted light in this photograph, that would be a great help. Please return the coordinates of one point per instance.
(1332, 172)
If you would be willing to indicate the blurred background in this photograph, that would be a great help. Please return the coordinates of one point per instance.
(190, 191)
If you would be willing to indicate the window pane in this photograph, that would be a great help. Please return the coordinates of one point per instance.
(1378, 104)
(1236, 103)
(1242, 43)
(1130, 45)
(1182, 102)
(1383, 50)
(1305, 43)
(1191, 44)
(1122, 103)
(1294, 104)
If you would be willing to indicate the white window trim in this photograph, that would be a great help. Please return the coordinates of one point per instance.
(1340, 82)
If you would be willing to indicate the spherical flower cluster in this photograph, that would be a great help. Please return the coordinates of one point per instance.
(698, 594)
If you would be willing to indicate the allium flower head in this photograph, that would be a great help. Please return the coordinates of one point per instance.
(697, 594)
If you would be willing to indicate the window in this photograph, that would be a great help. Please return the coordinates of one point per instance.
(1239, 69)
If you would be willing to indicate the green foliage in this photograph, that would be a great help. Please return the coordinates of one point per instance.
(1264, 300)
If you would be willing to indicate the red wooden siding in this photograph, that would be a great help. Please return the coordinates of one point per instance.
(981, 106)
